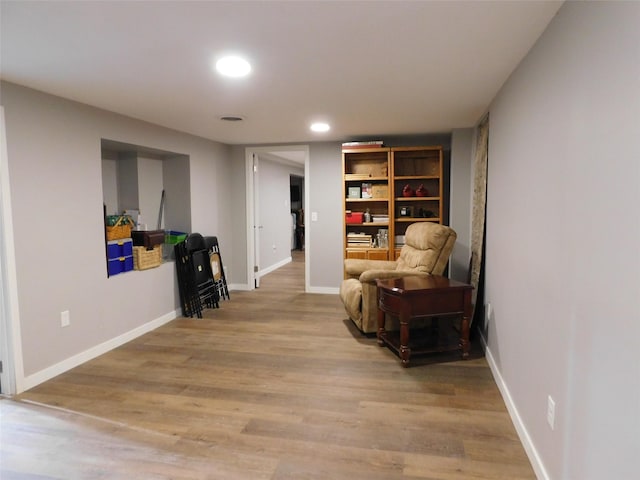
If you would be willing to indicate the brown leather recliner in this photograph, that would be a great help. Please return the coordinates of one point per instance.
(426, 252)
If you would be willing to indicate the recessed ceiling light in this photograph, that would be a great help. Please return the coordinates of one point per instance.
(320, 127)
(232, 118)
(233, 66)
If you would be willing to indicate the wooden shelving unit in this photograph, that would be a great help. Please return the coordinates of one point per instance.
(383, 172)
(415, 167)
(366, 171)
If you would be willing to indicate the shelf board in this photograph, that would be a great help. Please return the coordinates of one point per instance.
(416, 219)
(355, 177)
(368, 224)
(416, 177)
(415, 199)
(367, 199)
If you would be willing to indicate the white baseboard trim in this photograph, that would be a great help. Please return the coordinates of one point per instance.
(82, 357)
(521, 429)
(324, 290)
(275, 266)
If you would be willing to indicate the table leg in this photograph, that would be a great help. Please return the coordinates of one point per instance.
(381, 331)
(464, 337)
(405, 351)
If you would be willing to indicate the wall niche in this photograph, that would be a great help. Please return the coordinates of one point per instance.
(134, 178)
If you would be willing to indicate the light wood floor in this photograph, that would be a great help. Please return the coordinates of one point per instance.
(276, 384)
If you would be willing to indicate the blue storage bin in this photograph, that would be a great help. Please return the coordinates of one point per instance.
(128, 263)
(120, 265)
(119, 248)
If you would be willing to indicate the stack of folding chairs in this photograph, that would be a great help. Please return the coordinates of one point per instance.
(196, 284)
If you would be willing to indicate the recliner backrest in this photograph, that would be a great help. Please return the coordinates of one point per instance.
(427, 247)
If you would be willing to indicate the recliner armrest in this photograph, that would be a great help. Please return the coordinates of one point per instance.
(370, 276)
(354, 266)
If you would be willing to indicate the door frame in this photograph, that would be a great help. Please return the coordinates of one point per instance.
(12, 376)
(250, 205)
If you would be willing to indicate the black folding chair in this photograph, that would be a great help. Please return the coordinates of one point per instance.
(219, 277)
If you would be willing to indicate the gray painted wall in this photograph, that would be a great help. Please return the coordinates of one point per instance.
(110, 185)
(325, 201)
(236, 260)
(177, 189)
(462, 149)
(150, 186)
(275, 213)
(54, 159)
(563, 230)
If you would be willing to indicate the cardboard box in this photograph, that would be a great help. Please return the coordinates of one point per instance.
(380, 191)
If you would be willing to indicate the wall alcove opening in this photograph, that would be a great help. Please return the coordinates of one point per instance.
(134, 178)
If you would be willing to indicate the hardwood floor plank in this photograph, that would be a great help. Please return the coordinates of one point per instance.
(275, 384)
(375, 437)
(455, 468)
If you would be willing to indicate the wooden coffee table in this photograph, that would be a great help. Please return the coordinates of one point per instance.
(412, 297)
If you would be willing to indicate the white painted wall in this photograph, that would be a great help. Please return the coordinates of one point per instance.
(563, 237)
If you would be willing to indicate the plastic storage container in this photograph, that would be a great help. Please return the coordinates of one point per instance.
(172, 237)
(119, 248)
(120, 265)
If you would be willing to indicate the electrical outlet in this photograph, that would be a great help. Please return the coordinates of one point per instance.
(65, 318)
(551, 412)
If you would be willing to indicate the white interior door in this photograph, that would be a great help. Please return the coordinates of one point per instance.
(256, 222)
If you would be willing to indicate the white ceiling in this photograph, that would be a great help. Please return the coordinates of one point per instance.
(367, 68)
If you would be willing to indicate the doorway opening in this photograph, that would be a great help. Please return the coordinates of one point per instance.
(276, 192)
(296, 189)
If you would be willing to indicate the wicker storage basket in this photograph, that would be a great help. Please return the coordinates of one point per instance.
(144, 259)
(121, 229)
